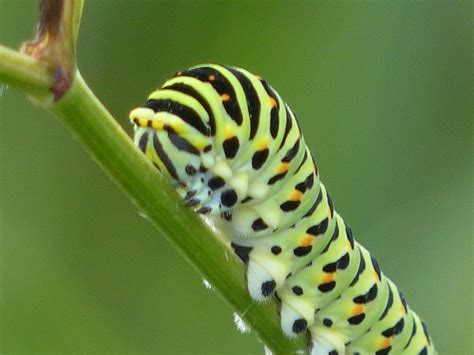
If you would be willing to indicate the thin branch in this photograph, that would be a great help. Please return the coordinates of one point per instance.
(55, 42)
(89, 121)
(25, 73)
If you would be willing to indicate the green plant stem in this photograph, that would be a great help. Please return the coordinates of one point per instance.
(89, 122)
(25, 73)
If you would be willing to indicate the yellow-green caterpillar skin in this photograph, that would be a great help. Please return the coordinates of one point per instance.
(235, 152)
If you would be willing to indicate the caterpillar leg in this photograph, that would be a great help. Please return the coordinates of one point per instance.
(292, 321)
(264, 275)
(325, 342)
(259, 281)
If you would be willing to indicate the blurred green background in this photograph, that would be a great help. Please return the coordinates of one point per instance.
(384, 92)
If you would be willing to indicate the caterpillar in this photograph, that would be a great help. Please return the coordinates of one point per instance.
(235, 153)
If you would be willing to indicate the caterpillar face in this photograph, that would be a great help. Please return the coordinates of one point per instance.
(235, 151)
(174, 130)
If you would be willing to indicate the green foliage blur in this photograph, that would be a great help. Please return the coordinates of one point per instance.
(384, 92)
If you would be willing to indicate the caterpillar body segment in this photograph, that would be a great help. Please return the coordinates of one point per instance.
(235, 152)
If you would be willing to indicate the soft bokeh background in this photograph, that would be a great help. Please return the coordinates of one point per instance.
(384, 91)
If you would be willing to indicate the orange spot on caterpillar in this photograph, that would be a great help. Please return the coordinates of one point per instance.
(156, 125)
(272, 101)
(296, 195)
(282, 168)
(328, 277)
(225, 97)
(377, 278)
(229, 132)
(263, 144)
(307, 240)
(146, 123)
(211, 78)
(358, 309)
(385, 343)
(142, 122)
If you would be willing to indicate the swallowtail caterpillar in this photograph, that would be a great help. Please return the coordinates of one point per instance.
(235, 152)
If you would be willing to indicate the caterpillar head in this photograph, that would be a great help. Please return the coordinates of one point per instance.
(177, 140)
